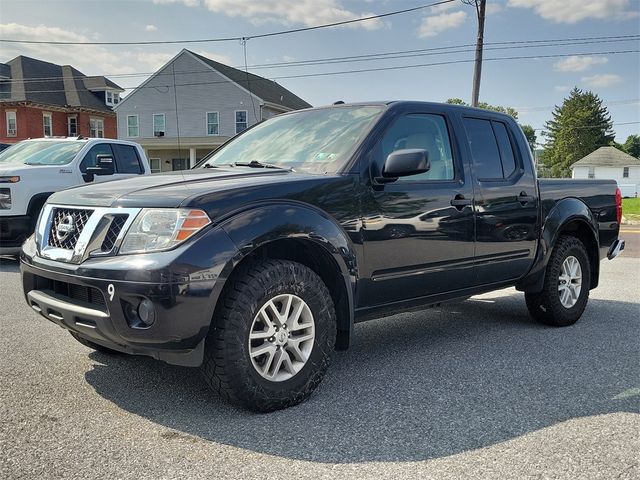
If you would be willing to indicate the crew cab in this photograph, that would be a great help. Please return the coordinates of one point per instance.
(255, 265)
(31, 170)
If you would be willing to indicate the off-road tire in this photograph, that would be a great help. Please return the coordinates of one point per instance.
(227, 366)
(94, 346)
(546, 306)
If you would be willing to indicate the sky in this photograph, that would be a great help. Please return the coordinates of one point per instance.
(532, 85)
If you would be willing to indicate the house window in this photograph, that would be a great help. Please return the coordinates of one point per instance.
(46, 124)
(72, 126)
(132, 126)
(109, 98)
(241, 120)
(96, 128)
(213, 123)
(625, 172)
(155, 165)
(116, 98)
(179, 164)
(592, 172)
(158, 125)
(12, 124)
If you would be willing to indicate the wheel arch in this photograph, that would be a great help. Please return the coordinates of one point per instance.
(569, 216)
(301, 233)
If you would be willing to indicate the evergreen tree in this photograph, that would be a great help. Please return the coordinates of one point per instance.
(632, 145)
(578, 127)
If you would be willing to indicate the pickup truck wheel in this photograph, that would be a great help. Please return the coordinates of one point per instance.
(272, 336)
(94, 346)
(566, 286)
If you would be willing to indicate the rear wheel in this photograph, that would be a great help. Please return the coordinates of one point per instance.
(566, 286)
(272, 336)
(94, 346)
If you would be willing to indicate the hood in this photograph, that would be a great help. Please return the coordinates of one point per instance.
(171, 189)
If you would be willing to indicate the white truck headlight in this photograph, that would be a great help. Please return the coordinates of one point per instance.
(157, 229)
(5, 199)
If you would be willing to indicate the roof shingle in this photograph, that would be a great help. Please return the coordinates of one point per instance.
(607, 157)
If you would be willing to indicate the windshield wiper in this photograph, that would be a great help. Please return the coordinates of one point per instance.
(257, 164)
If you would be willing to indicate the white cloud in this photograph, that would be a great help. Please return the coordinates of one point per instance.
(287, 12)
(435, 24)
(151, 28)
(573, 11)
(562, 88)
(577, 63)
(492, 8)
(602, 80)
(87, 58)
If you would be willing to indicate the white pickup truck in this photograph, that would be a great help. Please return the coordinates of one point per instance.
(32, 170)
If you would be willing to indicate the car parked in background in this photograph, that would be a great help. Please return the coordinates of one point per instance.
(31, 170)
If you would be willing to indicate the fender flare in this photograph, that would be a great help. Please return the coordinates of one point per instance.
(259, 225)
(564, 212)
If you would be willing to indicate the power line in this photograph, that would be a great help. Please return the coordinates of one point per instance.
(578, 127)
(366, 70)
(238, 38)
(380, 56)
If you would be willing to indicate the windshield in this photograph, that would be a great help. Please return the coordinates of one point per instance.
(41, 152)
(316, 141)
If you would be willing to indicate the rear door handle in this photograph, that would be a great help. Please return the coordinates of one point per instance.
(460, 202)
(523, 198)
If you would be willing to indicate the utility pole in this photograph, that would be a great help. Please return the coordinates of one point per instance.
(480, 6)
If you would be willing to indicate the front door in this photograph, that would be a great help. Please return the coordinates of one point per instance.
(417, 231)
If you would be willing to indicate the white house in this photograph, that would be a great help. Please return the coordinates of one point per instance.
(611, 163)
(192, 105)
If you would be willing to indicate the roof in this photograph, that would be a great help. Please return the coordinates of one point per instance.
(607, 157)
(37, 81)
(267, 90)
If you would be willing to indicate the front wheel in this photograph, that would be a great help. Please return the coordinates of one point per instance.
(566, 285)
(272, 336)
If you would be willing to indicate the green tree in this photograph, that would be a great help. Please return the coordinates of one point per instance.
(528, 130)
(632, 145)
(578, 127)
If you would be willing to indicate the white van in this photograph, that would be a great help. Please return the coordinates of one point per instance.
(32, 170)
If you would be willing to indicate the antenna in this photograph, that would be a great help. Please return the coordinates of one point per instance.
(243, 42)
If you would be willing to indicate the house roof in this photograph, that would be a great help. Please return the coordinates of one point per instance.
(42, 82)
(267, 90)
(607, 157)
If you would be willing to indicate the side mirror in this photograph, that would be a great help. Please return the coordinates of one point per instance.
(105, 166)
(402, 163)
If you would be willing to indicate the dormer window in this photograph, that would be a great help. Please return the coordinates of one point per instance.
(109, 98)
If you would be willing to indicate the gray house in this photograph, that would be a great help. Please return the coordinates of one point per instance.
(213, 103)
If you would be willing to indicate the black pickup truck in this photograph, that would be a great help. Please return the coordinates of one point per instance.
(255, 264)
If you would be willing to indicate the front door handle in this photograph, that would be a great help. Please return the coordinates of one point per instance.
(523, 198)
(460, 202)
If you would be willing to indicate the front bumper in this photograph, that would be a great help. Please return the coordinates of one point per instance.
(14, 230)
(98, 298)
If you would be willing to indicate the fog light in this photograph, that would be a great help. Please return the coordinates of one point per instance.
(147, 312)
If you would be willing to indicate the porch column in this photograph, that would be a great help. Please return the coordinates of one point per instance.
(192, 157)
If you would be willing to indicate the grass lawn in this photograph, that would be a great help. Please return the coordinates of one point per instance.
(631, 206)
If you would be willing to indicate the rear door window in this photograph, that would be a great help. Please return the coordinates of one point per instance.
(127, 160)
(484, 149)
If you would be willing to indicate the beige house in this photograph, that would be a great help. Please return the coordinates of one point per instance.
(192, 105)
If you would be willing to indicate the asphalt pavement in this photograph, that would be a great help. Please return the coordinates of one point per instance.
(472, 390)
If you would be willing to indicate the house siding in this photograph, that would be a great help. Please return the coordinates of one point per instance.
(199, 90)
(629, 185)
(29, 122)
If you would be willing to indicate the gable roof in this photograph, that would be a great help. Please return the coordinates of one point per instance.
(607, 157)
(267, 90)
(42, 82)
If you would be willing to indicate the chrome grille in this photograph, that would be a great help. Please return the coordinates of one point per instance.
(66, 227)
(117, 223)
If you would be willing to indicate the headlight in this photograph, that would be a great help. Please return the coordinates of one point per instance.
(5, 199)
(160, 229)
